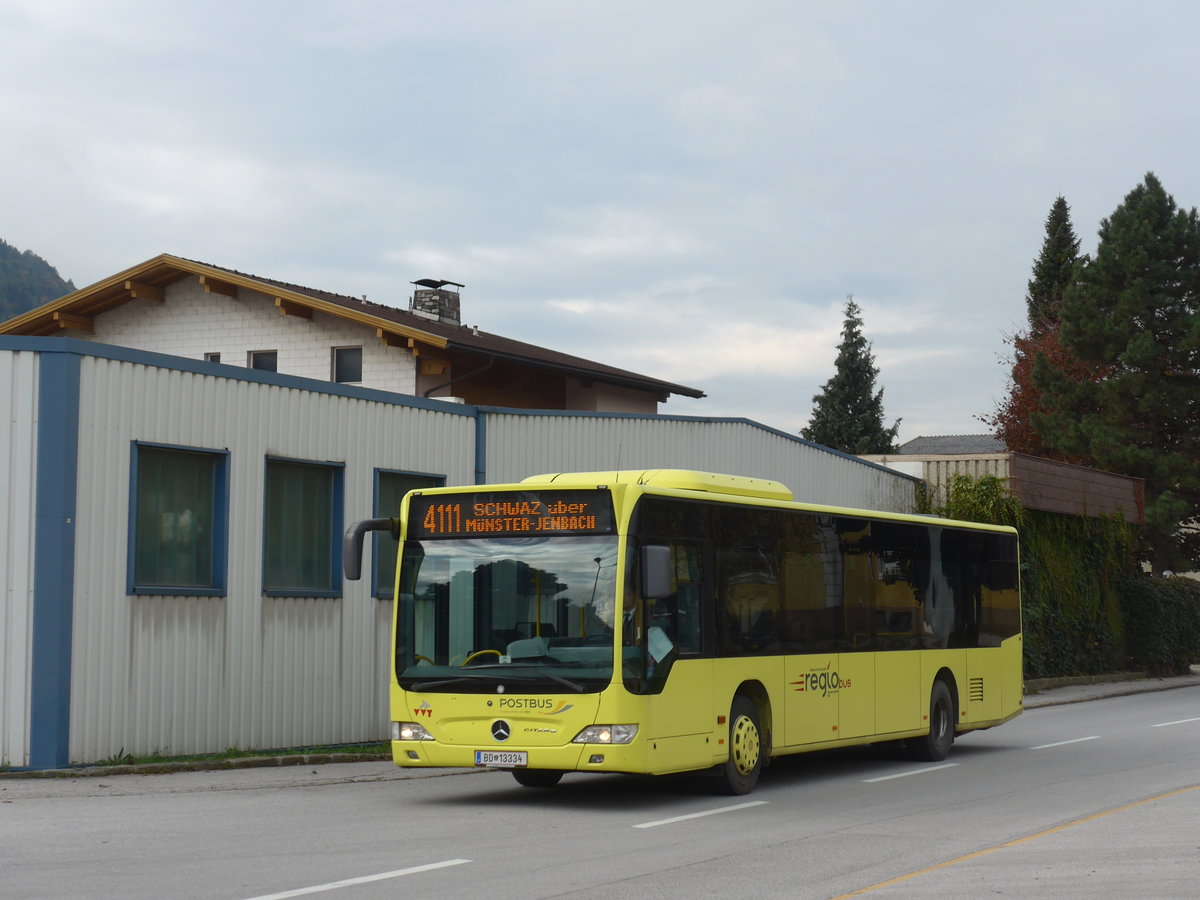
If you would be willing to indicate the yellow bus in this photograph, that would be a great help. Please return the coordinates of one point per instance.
(675, 621)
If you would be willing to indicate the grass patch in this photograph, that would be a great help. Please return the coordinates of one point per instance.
(128, 759)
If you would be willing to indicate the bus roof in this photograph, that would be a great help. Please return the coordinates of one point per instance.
(678, 479)
(738, 486)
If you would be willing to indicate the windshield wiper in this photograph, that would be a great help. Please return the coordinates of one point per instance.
(573, 685)
(508, 676)
(426, 685)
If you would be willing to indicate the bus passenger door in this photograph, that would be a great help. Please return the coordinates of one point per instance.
(681, 714)
(685, 705)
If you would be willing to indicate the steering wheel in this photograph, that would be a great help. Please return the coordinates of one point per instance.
(418, 658)
(478, 653)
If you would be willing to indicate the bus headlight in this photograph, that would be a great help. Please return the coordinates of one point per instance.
(409, 731)
(606, 734)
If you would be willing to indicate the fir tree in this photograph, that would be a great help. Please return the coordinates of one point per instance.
(1052, 270)
(1133, 315)
(848, 412)
(1052, 274)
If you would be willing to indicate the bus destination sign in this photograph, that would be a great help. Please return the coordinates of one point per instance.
(510, 514)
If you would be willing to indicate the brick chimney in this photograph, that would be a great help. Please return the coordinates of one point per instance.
(433, 300)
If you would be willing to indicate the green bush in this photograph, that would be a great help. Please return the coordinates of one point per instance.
(1162, 623)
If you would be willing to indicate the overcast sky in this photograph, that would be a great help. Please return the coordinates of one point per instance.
(685, 189)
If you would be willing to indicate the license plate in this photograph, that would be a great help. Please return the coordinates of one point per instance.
(501, 759)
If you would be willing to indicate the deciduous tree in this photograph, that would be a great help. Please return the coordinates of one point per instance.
(1012, 422)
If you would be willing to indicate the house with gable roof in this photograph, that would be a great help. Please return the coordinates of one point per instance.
(173, 305)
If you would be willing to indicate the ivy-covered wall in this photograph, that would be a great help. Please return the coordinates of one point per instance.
(1072, 571)
(1162, 623)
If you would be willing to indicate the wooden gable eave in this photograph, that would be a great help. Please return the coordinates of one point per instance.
(149, 279)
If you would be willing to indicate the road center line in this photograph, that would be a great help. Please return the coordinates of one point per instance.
(1177, 722)
(906, 774)
(1014, 843)
(700, 815)
(1094, 737)
(365, 879)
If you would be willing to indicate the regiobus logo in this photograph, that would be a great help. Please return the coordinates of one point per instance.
(824, 680)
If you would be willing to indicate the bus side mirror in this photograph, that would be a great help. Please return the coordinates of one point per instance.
(656, 572)
(352, 543)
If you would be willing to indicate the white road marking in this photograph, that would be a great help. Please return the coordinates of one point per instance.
(700, 815)
(1094, 737)
(365, 879)
(906, 774)
(1177, 722)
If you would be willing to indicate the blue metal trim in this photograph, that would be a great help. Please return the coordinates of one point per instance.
(382, 591)
(169, 591)
(108, 351)
(238, 373)
(481, 444)
(54, 561)
(300, 593)
(220, 562)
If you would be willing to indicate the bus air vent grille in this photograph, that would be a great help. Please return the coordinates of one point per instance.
(975, 690)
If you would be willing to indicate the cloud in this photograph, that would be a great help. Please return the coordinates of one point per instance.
(686, 189)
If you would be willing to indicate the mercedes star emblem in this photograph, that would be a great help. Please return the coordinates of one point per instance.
(500, 730)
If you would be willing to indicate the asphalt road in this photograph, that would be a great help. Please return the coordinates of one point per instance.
(1098, 799)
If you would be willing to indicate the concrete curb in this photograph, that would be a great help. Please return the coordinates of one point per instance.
(1037, 685)
(1062, 691)
(201, 765)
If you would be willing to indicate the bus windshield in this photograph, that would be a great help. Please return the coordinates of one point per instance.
(527, 614)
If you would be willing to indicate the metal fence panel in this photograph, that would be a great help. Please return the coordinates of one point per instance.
(18, 469)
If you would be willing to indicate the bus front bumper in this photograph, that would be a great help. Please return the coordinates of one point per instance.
(572, 757)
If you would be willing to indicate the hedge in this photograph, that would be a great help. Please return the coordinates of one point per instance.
(1162, 623)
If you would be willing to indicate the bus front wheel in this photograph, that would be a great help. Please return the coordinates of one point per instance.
(740, 772)
(539, 778)
(935, 746)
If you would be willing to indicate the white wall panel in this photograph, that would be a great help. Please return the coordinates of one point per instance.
(173, 675)
(519, 445)
(18, 470)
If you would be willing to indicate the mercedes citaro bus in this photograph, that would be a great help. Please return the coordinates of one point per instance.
(676, 621)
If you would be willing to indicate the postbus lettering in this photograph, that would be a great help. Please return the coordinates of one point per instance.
(529, 704)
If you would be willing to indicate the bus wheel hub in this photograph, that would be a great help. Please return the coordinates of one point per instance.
(745, 747)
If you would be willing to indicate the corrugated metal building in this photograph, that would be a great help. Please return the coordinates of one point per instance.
(99, 659)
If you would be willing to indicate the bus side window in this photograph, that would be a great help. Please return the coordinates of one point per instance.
(679, 615)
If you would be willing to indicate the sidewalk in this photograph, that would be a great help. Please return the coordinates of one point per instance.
(1058, 691)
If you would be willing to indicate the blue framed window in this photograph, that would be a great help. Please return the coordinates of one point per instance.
(302, 527)
(390, 488)
(178, 520)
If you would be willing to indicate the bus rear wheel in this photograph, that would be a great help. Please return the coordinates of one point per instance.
(935, 746)
(740, 772)
(537, 778)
